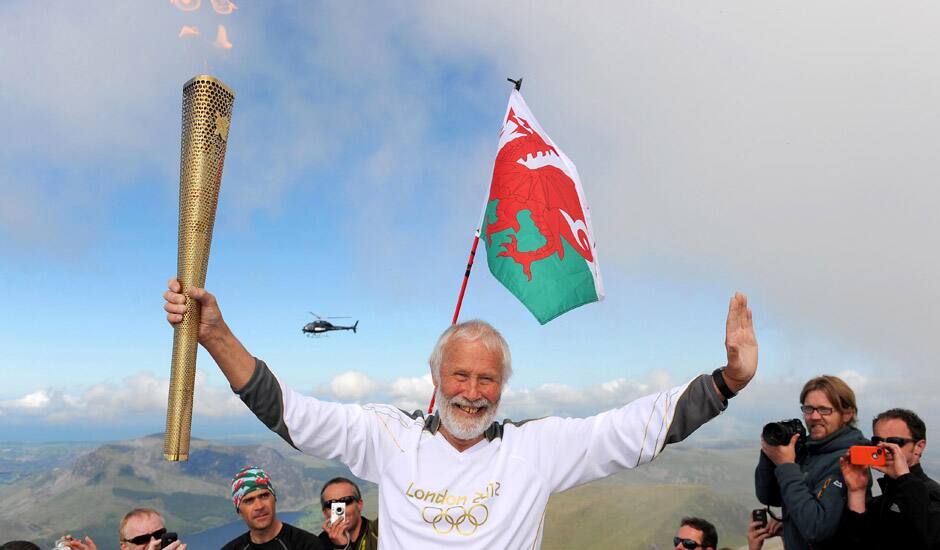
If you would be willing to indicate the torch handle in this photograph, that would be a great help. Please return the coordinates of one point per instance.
(179, 411)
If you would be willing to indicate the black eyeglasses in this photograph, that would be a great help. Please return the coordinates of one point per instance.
(899, 441)
(345, 500)
(144, 539)
(824, 411)
(686, 543)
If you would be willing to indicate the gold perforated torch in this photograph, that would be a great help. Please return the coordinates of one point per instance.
(207, 112)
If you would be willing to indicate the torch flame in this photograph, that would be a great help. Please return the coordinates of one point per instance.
(221, 39)
(187, 5)
(188, 31)
(223, 7)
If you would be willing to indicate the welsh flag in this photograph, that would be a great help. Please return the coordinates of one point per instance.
(536, 224)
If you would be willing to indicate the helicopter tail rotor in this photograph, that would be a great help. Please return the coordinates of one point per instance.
(356, 324)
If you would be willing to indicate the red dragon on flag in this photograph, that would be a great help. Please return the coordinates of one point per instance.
(523, 180)
(537, 219)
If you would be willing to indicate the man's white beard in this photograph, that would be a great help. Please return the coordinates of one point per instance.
(460, 426)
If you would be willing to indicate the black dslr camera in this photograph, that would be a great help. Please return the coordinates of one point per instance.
(779, 433)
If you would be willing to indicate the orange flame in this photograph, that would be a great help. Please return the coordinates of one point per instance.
(223, 7)
(188, 31)
(187, 5)
(221, 39)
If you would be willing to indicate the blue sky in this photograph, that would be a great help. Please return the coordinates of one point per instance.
(785, 152)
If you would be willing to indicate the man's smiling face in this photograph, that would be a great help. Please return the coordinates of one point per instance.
(822, 425)
(470, 388)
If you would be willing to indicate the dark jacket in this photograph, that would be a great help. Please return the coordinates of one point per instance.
(368, 537)
(905, 515)
(811, 493)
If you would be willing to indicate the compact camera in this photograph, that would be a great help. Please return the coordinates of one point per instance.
(779, 433)
(867, 455)
(337, 512)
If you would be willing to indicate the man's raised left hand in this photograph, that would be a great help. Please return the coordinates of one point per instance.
(740, 343)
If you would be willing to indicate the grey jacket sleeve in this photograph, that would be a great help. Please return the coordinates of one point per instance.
(815, 511)
(263, 396)
(697, 405)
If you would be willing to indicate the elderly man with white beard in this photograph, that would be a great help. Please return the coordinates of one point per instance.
(456, 478)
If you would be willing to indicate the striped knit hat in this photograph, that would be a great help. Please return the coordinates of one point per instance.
(248, 480)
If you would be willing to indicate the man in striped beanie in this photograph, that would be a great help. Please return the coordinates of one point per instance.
(255, 501)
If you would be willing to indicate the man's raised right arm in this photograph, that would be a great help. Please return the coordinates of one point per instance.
(214, 334)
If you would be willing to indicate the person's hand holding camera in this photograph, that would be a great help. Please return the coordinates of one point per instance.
(757, 532)
(338, 532)
(854, 475)
(895, 461)
(856, 482)
(79, 544)
(780, 454)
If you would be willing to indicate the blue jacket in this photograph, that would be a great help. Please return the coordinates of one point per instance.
(811, 493)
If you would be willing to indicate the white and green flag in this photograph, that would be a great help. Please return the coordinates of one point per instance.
(537, 224)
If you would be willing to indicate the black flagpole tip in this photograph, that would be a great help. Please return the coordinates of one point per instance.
(518, 83)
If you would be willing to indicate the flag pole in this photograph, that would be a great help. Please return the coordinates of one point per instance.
(466, 275)
(473, 252)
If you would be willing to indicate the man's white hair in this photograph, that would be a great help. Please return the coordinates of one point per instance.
(472, 331)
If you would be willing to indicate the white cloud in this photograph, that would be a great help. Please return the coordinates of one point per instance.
(411, 394)
(352, 386)
(566, 400)
(856, 380)
(139, 394)
(33, 401)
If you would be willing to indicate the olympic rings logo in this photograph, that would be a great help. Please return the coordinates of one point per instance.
(457, 519)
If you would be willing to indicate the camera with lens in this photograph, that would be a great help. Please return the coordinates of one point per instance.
(779, 433)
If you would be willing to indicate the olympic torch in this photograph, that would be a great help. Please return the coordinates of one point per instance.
(207, 112)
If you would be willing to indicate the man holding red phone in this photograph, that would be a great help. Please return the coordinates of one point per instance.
(907, 513)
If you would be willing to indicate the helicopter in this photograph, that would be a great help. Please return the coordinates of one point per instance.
(321, 326)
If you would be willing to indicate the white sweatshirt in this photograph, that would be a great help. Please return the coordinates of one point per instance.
(492, 495)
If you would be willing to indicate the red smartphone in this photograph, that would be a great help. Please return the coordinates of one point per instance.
(866, 455)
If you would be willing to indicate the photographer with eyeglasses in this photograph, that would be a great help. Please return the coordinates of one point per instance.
(349, 529)
(801, 473)
(907, 513)
(695, 534)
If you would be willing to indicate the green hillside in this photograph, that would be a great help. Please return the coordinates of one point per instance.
(603, 515)
(88, 494)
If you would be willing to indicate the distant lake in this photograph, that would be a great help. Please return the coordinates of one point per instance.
(214, 539)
